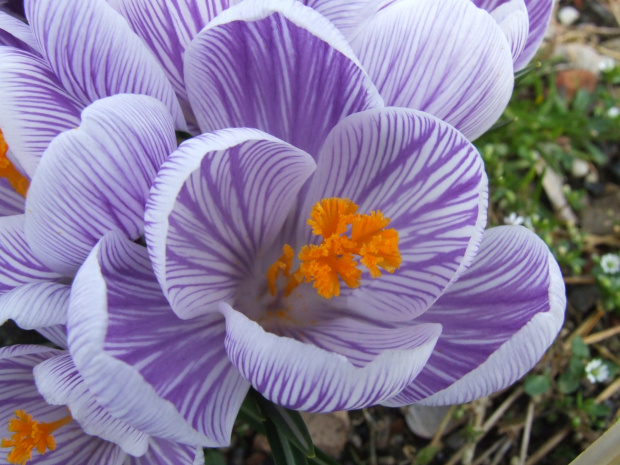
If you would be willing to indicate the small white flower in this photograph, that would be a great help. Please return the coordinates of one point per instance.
(596, 371)
(610, 263)
(606, 64)
(513, 219)
(613, 112)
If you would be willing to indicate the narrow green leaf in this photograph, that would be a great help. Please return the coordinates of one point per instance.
(289, 423)
(426, 455)
(321, 458)
(502, 123)
(214, 457)
(527, 70)
(251, 413)
(284, 453)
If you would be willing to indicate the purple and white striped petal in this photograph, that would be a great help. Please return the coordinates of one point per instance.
(347, 15)
(97, 178)
(423, 175)
(95, 54)
(498, 319)
(217, 203)
(167, 27)
(278, 66)
(37, 306)
(16, 33)
(446, 58)
(35, 107)
(59, 383)
(19, 392)
(305, 377)
(163, 452)
(18, 265)
(11, 203)
(539, 14)
(163, 375)
(512, 18)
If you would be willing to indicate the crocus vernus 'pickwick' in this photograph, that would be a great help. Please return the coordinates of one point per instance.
(53, 419)
(312, 242)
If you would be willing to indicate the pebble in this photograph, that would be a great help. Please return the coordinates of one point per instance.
(568, 15)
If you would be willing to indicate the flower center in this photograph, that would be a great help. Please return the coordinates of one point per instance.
(19, 182)
(29, 434)
(346, 235)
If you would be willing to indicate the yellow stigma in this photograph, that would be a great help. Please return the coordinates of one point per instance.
(334, 258)
(18, 181)
(29, 434)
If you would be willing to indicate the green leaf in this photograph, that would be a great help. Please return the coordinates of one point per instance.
(579, 348)
(284, 453)
(595, 410)
(289, 423)
(568, 383)
(537, 384)
(322, 458)
(426, 455)
(251, 413)
(502, 123)
(214, 457)
(527, 70)
(576, 367)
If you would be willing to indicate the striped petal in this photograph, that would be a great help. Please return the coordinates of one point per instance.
(216, 204)
(163, 452)
(512, 17)
(163, 375)
(16, 33)
(277, 66)
(19, 392)
(57, 334)
(446, 58)
(37, 306)
(306, 377)
(167, 27)
(428, 179)
(348, 15)
(97, 178)
(498, 320)
(35, 107)
(539, 14)
(59, 383)
(11, 203)
(95, 54)
(18, 265)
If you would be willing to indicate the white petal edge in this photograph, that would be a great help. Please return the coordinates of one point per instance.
(502, 369)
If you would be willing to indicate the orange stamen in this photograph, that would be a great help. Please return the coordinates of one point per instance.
(331, 216)
(18, 181)
(334, 258)
(282, 264)
(29, 434)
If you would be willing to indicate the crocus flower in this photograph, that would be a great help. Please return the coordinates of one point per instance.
(66, 426)
(44, 91)
(228, 208)
(463, 77)
(44, 88)
(523, 22)
(439, 315)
